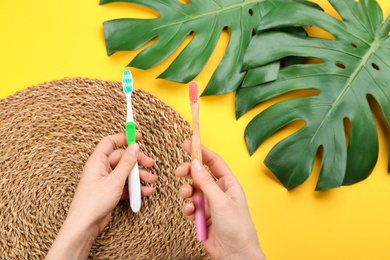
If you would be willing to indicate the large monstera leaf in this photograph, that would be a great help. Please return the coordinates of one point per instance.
(356, 65)
(207, 19)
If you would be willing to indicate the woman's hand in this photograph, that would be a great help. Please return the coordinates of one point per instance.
(100, 188)
(231, 233)
(102, 181)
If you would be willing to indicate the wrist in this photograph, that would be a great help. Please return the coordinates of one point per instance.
(253, 252)
(81, 224)
(255, 255)
(73, 241)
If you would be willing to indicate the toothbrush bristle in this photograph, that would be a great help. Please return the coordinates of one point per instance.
(193, 91)
(127, 81)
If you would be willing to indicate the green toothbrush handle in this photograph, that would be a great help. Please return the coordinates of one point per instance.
(130, 132)
(134, 184)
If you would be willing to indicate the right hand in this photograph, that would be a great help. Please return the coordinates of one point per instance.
(231, 233)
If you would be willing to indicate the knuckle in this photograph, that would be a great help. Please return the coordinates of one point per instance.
(213, 161)
(108, 141)
(105, 139)
(215, 158)
(205, 177)
(208, 185)
(127, 160)
(206, 180)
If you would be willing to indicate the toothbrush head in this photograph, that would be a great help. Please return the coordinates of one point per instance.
(193, 91)
(127, 81)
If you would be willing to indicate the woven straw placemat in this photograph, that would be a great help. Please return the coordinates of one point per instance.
(47, 133)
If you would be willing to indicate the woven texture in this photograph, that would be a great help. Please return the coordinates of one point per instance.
(47, 133)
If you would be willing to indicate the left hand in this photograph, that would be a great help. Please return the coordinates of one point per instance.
(102, 182)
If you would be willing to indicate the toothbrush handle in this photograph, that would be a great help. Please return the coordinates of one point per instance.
(134, 189)
(200, 218)
(130, 132)
(133, 179)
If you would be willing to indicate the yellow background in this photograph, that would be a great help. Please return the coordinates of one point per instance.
(44, 40)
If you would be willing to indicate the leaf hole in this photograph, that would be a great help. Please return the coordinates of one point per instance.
(354, 45)
(253, 32)
(340, 65)
(250, 11)
(318, 162)
(347, 129)
(293, 60)
(380, 120)
(228, 31)
(312, 60)
(375, 66)
(317, 32)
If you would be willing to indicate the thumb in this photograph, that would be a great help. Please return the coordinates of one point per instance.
(126, 163)
(205, 181)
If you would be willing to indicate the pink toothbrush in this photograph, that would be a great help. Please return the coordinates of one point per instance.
(200, 216)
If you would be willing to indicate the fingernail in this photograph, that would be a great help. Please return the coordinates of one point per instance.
(133, 149)
(182, 189)
(198, 165)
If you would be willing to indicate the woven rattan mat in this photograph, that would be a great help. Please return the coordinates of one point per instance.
(47, 133)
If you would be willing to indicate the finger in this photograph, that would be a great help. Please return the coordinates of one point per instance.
(189, 210)
(117, 154)
(147, 177)
(126, 163)
(145, 160)
(115, 157)
(184, 170)
(138, 136)
(186, 191)
(206, 182)
(147, 191)
(216, 164)
(109, 143)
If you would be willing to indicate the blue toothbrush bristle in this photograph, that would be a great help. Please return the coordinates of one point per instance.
(127, 81)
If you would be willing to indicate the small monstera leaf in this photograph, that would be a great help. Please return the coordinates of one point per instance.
(355, 65)
(207, 19)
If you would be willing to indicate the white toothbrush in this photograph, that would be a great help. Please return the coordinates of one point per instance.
(133, 180)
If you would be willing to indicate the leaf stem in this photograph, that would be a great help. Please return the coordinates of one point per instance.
(349, 83)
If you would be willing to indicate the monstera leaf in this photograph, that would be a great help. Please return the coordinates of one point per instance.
(207, 19)
(355, 65)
